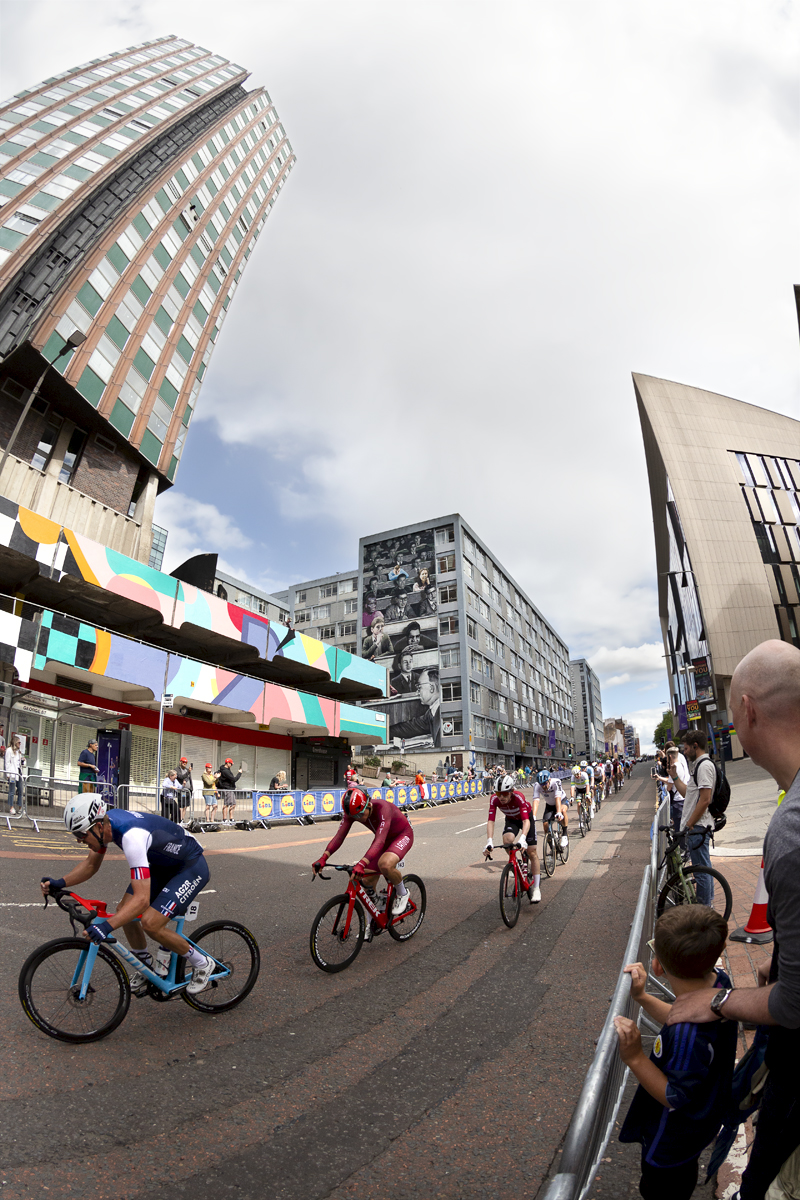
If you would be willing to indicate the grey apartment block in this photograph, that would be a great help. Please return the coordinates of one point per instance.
(327, 609)
(246, 595)
(473, 664)
(588, 708)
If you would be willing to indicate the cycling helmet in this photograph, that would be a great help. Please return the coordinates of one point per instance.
(355, 802)
(504, 783)
(84, 811)
(543, 778)
(583, 764)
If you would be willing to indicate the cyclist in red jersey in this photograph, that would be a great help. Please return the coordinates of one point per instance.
(520, 826)
(393, 839)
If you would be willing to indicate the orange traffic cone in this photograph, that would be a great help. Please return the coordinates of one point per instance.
(757, 928)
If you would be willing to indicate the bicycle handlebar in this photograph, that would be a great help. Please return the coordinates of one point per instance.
(333, 867)
(71, 905)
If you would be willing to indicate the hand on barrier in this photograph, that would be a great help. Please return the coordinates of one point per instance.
(638, 979)
(99, 932)
(630, 1040)
(48, 883)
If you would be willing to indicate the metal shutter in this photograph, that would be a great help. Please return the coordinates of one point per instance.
(144, 754)
(244, 756)
(320, 772)
(199, 751)
(268, 762)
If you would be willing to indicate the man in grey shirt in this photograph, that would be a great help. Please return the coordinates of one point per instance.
(765, 706)
(696, 821)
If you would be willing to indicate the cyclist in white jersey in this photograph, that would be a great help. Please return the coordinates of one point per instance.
(549, 789)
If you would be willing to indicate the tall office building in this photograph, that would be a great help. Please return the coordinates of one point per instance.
(588, 709)
(474, 668)
(725, 489)
(133, 190)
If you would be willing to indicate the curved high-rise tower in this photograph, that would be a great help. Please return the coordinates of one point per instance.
(132, 192)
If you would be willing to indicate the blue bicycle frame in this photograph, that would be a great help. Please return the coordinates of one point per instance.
(165, 983)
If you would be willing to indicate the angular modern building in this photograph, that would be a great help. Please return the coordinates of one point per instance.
(588, 709)
(133, 190)
(725, 489)
(475, 672)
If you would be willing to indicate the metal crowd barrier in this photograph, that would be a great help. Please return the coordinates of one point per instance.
(306, 807)
(598, 1104)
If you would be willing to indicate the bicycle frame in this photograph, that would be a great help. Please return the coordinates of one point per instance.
(520, 869)
(166, 984)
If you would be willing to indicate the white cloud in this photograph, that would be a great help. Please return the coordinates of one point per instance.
(616, 680)
(644, 721)
(643, 663)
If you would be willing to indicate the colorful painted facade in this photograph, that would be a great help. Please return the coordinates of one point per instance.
(62, 553)
(59, 639)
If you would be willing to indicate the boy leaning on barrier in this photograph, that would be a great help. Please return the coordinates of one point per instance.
(684, 1085)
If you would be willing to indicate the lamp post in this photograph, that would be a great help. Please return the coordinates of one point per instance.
(76, 338)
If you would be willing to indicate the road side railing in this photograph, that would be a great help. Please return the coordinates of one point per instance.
(601, 1095)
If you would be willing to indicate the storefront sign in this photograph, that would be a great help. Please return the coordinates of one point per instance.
(703, 683)
(692, 710)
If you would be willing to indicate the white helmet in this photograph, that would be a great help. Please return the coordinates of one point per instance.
(84, 811)
(504, 783)
(584, 764)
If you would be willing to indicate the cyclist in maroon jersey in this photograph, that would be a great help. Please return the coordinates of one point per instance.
(520, 826)
(394, 838)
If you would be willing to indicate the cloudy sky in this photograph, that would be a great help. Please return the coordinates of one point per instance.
(499, 211)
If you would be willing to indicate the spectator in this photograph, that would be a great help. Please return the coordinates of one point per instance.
(278, 782)
(388, 781)
(675, 758)
(685, 1084)
(210, 792)
(184, 777)
(350, 776)
(227, 785)
(765, 707)
(87, 767)
(14, 764)
(169, 796)
(696, 821)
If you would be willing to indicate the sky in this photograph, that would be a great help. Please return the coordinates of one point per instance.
(499, 211)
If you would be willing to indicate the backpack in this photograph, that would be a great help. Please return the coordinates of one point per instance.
(720, 798)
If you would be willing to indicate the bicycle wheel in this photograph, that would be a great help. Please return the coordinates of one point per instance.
(510, 899)
(681, 888)
(588, 818)
(581, 821)
(52, 1002)
(549, 854)
(234, 946)
(405, 926)
(563, 851)
(331, 950)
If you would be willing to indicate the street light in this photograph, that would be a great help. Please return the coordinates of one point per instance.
(75, 339)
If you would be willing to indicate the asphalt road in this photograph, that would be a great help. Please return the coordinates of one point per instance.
(444, 1067)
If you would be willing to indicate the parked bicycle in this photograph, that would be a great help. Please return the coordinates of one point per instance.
(340, 927)
(552, 848)
(516, 881)
(78, 991)
(680, 886)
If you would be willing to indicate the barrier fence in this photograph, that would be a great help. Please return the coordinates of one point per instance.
(289, 806)
(598, 1104)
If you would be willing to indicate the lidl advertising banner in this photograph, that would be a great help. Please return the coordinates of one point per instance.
(288, 806)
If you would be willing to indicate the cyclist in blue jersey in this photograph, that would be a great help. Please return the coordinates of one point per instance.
(167, 871)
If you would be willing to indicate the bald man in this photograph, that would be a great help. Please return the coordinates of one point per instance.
(765, 706)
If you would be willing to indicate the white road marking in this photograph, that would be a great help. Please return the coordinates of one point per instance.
(209, 892)
(29, 904)
(471, 828)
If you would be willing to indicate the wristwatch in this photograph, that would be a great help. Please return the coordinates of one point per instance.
(718, 1001)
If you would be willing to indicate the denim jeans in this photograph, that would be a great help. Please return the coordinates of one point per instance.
(15, 790)
(699, 846)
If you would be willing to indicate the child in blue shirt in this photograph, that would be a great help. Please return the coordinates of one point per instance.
(685, 1084)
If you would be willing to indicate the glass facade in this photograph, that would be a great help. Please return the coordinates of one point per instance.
(686, 637)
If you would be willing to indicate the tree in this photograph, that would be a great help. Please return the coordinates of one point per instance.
(663, 732)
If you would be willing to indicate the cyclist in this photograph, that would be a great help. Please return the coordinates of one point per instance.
(580, 782)
(619, 775)
(549, 789)
(393, 839)
(520, 827)
(607, 769)
(167, 868)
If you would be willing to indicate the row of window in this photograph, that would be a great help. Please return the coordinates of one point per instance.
(340, 588)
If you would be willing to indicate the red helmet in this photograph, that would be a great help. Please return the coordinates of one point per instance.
(209, 767)
(228, 762)
(355, 802)
(184, 760)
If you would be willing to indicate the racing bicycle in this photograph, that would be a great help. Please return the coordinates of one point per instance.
(78, 991)
(584, 813)
(340, 927)
(515, 882)
(552, 849)
(682, 876)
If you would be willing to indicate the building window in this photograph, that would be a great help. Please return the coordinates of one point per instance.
(472, 600)
(327, 633)
(300, 598)
(445, 536)
(347, 629)
(503, 704)
(490, 642)
(450, 657)
(158, 547)
(448, 624)
(322, 612)
(350, 606)
(76, 444)
(494, 701)
(42, 453)
(475, 662)
(350, 647)
(475, 693)
(452, 725)
(484, 610)
(468, 569)
(451, 690)
(448, 594)
(446, 563)
(346, 585)
(302, 617)
(262, 606)
(472, 629)
(328, 589)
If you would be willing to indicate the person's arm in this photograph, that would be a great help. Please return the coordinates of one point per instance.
(133, 904)
(659, 1010)
(743, 1004)
(676, 779)
(89, 867)
(336, 841)
(630, 1050)
(704, 798)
